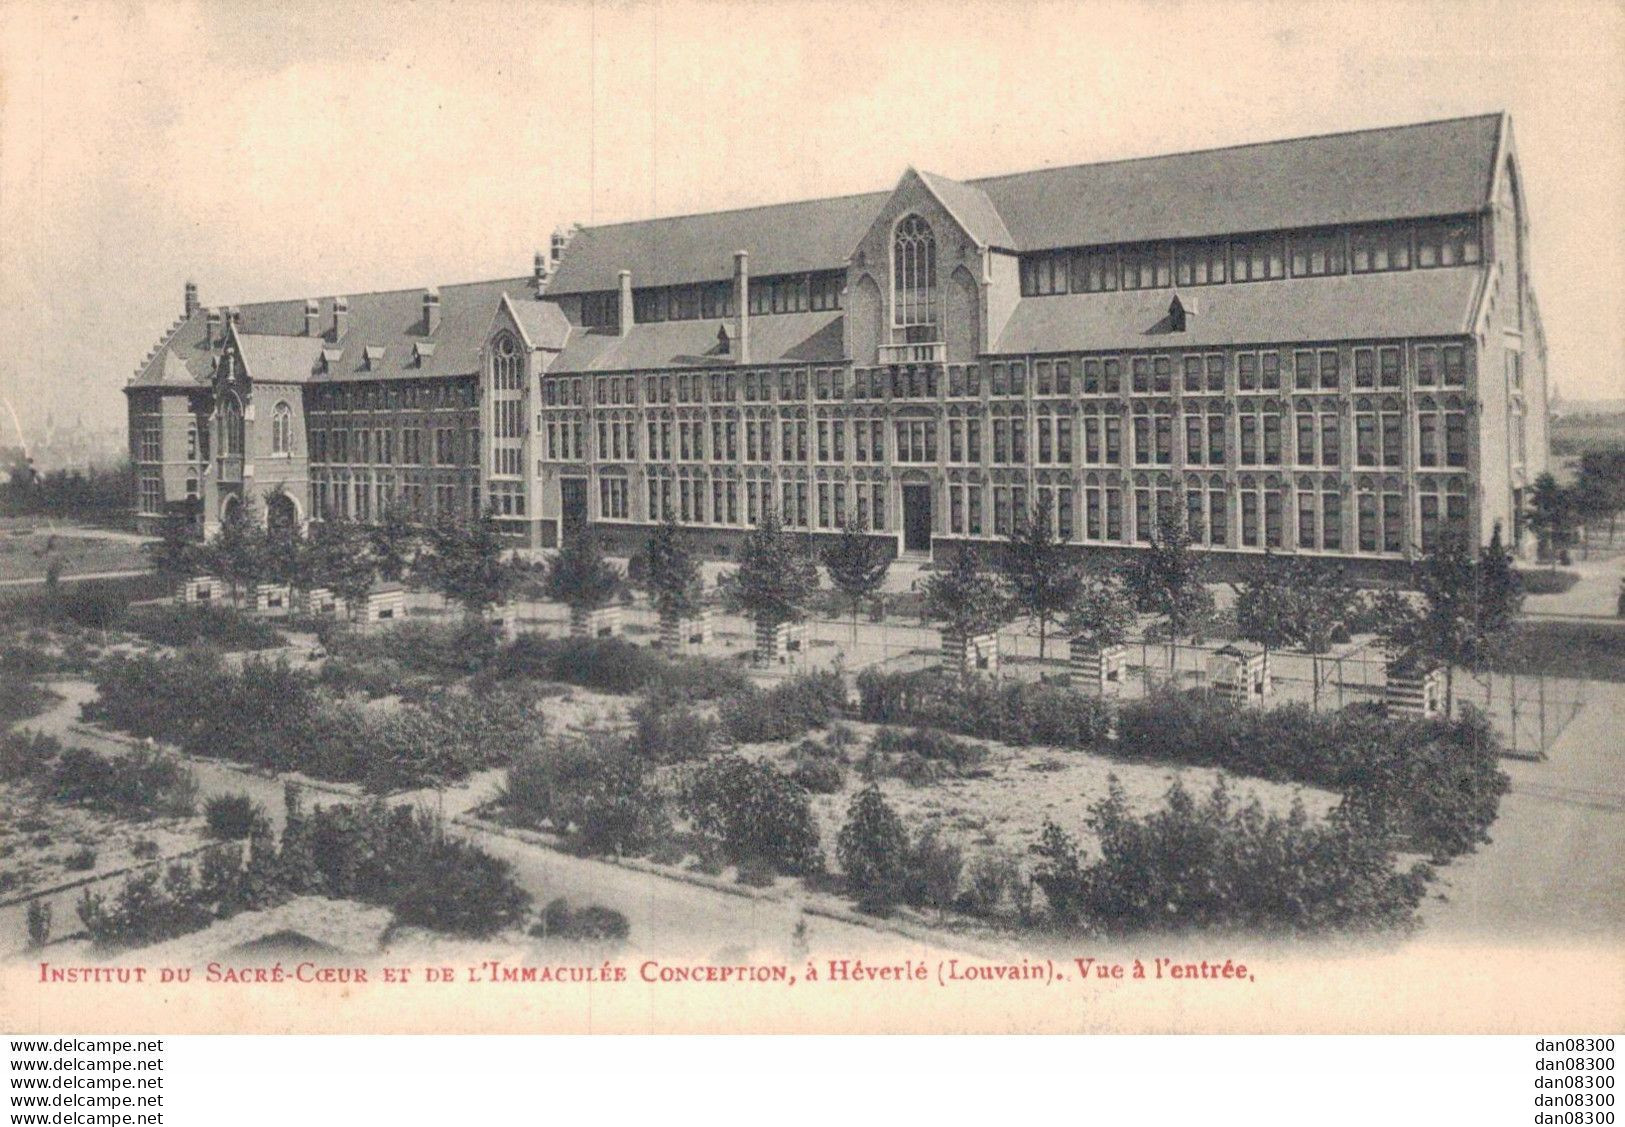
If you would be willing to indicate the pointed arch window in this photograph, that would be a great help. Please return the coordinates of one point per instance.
(282, 429)
(914, 275)
(231, 427)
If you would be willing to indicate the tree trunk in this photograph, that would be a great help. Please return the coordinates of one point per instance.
(1043, 630)
(1449, 691)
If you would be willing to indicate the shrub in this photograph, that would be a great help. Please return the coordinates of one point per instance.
(614, 665)
(26, 755)
(446, 649)
(1211, 864)
(788, 709)
(592, 924)
(81, 860)
(958, 756)
(1436, 784)
(668, 733)
(753, 812)
(39, 922)
(138, 784)
(819, 776)
(991, 878)
(931, 876)
(594, 792)
(21, 699)
(231, 817)
(756, 873)
(172, 625)
(873, 850)
(1014, 712)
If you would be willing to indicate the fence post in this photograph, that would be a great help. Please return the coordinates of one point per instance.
(1543, 714)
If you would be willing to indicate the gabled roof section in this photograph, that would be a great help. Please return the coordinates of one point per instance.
(542, 322)
(1397, 172)
(275, 359)
(391, 320)
(788, 238)
(1406, 303)
(1435, 168)
(971, 206)
(812, 338)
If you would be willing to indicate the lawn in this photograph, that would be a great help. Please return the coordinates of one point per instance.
(29, 553)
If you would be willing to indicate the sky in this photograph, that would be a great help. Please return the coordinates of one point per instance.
(272, 151)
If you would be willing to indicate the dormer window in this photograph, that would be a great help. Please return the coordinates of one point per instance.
(422, 351)
(330, 359)
(374, 354)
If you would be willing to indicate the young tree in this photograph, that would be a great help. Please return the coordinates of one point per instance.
(1043, 582)
(670, 573)
(1601, 486)
(964, 599)
(1102, 614)
(1322, 603)
(237, 552)
(465, 563)
(1467, 605)
(1264, 604)
(579, 576)
(1551, 516)
(873, 850)
(337, 556)
(857, 565)
(775, 578)
(1167, 581)
(284, 547)
(394, 539)
(175, 554)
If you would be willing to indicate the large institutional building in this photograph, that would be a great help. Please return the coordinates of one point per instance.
(1326, 345)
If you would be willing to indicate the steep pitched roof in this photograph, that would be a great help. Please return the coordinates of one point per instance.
(971, 206)
(1408, 303)
(1431, 168)
(392, 320)
(788, 238)
(277, 359)
(804, 337)
(543, 322)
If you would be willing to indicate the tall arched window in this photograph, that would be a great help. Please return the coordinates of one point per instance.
(505, 365)
(281, 429)
(914, 276)
(231, 427)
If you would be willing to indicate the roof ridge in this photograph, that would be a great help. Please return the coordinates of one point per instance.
(734, 210)
(982, 180)
(353, 294)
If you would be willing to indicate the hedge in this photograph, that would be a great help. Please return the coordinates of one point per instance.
(1435, 783)
(1014, 712)
(612, 665)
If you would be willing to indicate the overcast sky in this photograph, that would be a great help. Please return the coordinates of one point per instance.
(273, 150)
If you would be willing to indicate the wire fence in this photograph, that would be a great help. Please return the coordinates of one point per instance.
(1529, 712)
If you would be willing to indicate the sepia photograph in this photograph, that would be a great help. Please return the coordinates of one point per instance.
(689, 516)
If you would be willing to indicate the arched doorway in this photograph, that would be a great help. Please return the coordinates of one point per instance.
(281, 514)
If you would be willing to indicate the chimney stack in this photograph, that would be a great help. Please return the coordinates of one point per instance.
(211, 329)
(741, 341)
(313, 317)
(540, 273)
(191, 300)
(431, 311)
(341, 318)
(626, 302)
(561, 239)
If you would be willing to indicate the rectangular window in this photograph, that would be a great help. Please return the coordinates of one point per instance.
(1162, 368)
(1218, 517)
(1145, 266)
(1247, 371)
(1331, 520)
(1393, 445)
(1375, 249)
(1393, 522)
(1094, 271)
(1455, 438)
(1249, 519)
(1331, 453)
(1318, 253)
(1306, 440)
(1112, 376)
(1215, 440)
(1455, 365)
(1258, 258)
(1272, 440)
(1193, 373)
(1306, 521)
(1365, 368)
(1271, 362)
(1200, 264)
(1447, 242)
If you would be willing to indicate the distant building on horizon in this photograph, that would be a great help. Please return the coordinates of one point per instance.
(1326, 345)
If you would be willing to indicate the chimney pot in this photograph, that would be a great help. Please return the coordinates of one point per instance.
(431, 311)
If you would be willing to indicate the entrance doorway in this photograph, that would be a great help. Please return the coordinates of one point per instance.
(572, 505)
(917, 518)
